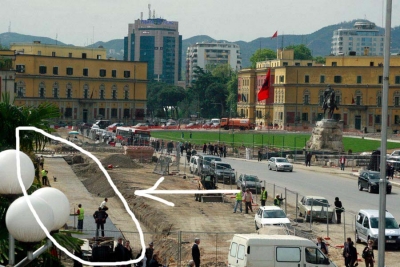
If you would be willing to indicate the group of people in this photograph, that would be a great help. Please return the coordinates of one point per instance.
(247, 198)
(350, 254)
(215, 149)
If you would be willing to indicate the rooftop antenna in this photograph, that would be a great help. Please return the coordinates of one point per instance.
(149, 5)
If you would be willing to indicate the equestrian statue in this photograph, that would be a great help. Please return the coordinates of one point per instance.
(329, 102)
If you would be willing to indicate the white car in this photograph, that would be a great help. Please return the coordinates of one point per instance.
(194, 164)
(270, 215)
(279, 164)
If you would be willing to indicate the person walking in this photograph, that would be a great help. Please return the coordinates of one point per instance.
(196, 252)
(278, 201)
(45, 180)
(353, 254)
(368, 254)
(81, 215)
(308, 159)
(128, 252)
(204, 148)
(248, 200)
(338, 210)
(322, 245)
(346, 252)
(100, 217)
(264, 196)
(224, 151)
(342, 161)
(149, 253)
(239, 200)
(188, 155)
(259, 155)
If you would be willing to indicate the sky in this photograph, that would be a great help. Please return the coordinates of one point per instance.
(82, 22)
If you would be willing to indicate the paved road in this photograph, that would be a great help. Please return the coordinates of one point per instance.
(320, 181)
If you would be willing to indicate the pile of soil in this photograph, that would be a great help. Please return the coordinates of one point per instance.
(120, 161)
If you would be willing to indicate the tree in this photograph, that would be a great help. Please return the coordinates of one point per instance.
(301, 52)
(320, 60)
(261, 55)
(231, 100)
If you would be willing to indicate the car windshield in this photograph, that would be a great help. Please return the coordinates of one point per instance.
(274, 214)
(390, 223)
(317, 202)
(223, 166)
(374, 175)
(207, 161)
(282, 160)
(251, 178)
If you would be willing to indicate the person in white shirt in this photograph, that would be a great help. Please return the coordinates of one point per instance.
(103, 205)
(248, 200)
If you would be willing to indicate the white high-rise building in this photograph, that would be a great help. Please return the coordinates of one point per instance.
(363, 39)
(211, 53)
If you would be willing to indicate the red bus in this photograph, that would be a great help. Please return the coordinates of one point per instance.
(133, 137)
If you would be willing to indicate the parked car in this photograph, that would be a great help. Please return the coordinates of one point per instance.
(86, 125)
(270, 215)
(60, 124)
(249, 181)
(207, 125)
(142, 125)
(279, 164)
(367, 228)
(395, 153)
(394, 161)
(215, 125)
(191, 126)
(204, 163)
(194, 164)
(170, 125)
(319, 206)
(370, 180)
(113, 127)
(223, 172)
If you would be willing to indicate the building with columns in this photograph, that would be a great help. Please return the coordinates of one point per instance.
(80, 81)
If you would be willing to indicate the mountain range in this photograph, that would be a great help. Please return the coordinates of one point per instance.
(318, 42)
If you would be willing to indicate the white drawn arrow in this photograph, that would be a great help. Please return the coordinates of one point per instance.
(152, 190)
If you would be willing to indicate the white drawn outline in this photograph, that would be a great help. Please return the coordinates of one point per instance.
(144, 193)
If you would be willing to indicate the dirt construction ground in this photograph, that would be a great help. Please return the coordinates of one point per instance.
(209, 221)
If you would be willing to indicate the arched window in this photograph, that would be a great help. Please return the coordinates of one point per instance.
(102, 91)
(86, 91)
(56, 89)
(321, 97)
(114, 92)
(379, 98)
(69, 90)
(338, 97)
(306, 97)
(42, 90)
(21, 88)
(126, 92)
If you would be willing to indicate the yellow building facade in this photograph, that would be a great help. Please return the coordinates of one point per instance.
(298, 93)
(85, 89)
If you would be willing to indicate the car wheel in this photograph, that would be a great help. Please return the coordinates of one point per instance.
(369, 189)
(360, 187)
(269, 167)
(291, 170)
(389, 191)
(358, 240)
(256, 225)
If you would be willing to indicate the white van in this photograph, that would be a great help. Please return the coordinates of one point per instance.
(194, 164)
(275, 251)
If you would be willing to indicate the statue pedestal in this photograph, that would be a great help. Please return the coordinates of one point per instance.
(326, 135)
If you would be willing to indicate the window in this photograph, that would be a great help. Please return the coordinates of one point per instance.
(86, 72)
(304, 117)
(337, 99)
(281, 79)
(397, 79)
(334, 64)
(285, 64)
(70, 71)
(127, 74)
(396, 101)
(42, 69)
(322, 79)
(380, 78)
(379, 101)
(396, 119)
(321, 100)
(359, 79)
(126, 94)
(98, 57)
(287, 254)
(358, 100)
(55, 70)
(39, 53)
(306, 99)
(114, 94)
(41, 92)
(314, 256)
(102, 94)
(68, 112)
(114, 73)
(377, 119)
(102, 73)
(306, 79)
(337, 79)
(114, 113)
(69, 54)
(20, 68)
(102, 112)
(69, 93)
(86, 91)
(55, 92)
(83, 55)
(53, 54)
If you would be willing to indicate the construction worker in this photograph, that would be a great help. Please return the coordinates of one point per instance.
(278, 201)
(264, 196)
(81, 214)
(239, 199)
(45, 181)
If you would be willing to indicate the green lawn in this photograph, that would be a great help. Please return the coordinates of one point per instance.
(289, 140)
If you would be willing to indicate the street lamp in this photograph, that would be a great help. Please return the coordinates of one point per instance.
(50, 204)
